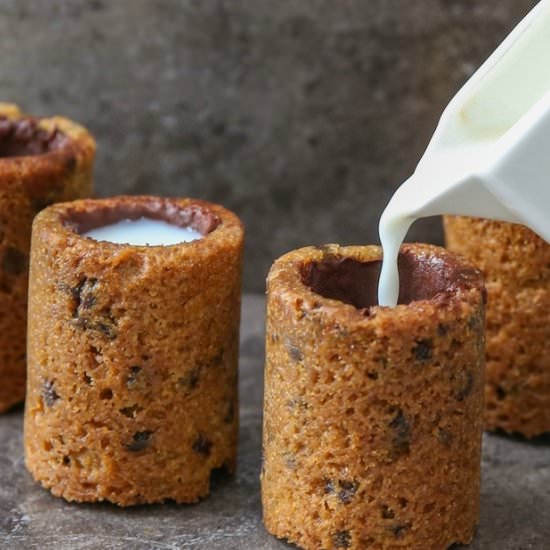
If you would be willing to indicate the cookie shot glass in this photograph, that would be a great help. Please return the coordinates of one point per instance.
(42, 161)
(133, 348)
(516, 265)
(373, 415)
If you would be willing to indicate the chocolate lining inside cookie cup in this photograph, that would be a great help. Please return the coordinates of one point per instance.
(99, 214)
(23, 137)
(355, 282)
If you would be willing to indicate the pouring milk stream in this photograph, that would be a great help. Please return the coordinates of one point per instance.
(490, 154)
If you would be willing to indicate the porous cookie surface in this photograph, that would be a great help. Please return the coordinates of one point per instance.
(42, 161)
(132, 388)
(372, 416)
(516, 265)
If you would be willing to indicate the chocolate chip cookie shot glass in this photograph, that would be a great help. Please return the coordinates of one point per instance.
(132, 382)
(42, 161)
(516, 266)
(373, 415)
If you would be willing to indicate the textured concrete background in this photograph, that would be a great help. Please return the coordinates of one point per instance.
(302, 116)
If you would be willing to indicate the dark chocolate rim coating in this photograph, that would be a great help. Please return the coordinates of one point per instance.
(24, 137)
(298, 272)
(196, 216)
(71, 219)
(70, 145)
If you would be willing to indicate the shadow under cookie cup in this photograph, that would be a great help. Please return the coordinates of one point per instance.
(372, 429)
(42, 161)
(139, 372)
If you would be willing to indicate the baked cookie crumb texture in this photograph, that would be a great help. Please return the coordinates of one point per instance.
(372, 416)
(516, 265)
(42, 161)
(132, 384)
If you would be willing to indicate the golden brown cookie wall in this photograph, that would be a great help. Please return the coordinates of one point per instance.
(373, 416)
(132, 388)
(42, 161)
(516, 266)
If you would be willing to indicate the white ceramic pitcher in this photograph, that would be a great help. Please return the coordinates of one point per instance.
(490, 154)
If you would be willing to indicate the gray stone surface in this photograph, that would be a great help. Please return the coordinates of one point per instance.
(515, 496)
(302, 116)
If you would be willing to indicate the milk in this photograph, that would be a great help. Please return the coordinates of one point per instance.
(144, 232)
(490, 154)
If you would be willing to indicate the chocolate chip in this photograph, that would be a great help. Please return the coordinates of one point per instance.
(106, 394)
(467, 384)
(341, 539)
(442, 329)
(399, 530)
(132, 411)
(66, 460)
(14, 262)
(133, 376)
(344, 490)
(386, 512)
(401, 425)
(108, 329)
(347, 491)
(217, 359)
(444, 436)
(190, 379)
(84, 295)
(107, 325)
(49, 395)
(501, 393)
(329, 487)
(85, 313)
(423, 350)
(293, 350)
(402, 429)
(140, 441)
(202, 445)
